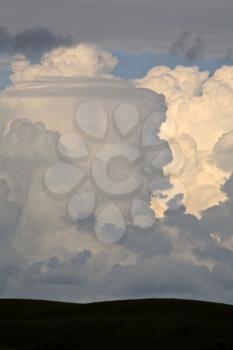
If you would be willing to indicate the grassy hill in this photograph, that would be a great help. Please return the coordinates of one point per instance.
(135, 324)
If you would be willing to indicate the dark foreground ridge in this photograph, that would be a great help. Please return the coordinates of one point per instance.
(133, 324)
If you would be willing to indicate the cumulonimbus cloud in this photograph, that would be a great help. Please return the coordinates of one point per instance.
(199, 114)
(41, 249)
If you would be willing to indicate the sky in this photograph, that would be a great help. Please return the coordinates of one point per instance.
(116, 143)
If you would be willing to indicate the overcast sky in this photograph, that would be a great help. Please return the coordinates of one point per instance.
(125, 24)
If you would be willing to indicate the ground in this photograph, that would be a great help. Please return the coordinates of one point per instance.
(132, 324)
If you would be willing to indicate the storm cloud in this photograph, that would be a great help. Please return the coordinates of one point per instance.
(44, 254)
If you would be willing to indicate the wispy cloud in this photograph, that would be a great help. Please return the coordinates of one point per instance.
(188, 46)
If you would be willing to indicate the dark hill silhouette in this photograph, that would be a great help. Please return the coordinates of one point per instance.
(132, 324)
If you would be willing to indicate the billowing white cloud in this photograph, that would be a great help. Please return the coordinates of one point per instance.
(200, 113)
(80, 60)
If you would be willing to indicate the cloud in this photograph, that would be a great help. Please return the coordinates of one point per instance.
(10, 214)
(28, 148)
(80, 60)
(196, 49)
(188, 46)
(198, 129)
(222, 152)
(180, 43)
(45, 254)
(32, 43)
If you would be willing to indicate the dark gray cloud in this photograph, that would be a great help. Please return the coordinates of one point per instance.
(32, 42)
(10, 213)
(196, 49)
(168, 260)
(189, 46)
(88, 274)
(180, 43)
